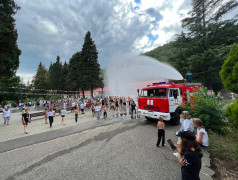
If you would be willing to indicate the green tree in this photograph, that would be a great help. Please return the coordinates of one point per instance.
(56, 75)
(89, 68)
(9, 51)
(162, 53)
(6, 85)
(65, 71)
(229, 72)
(74, 71)
(182, 51)
(203, 49)
(40, 80)
(205, 12)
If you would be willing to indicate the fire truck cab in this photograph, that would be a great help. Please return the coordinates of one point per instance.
(164, 99)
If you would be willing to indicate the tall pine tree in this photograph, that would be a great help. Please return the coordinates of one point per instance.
(90, 68)
(56, 75)
(9, 51)
(65, 71)
(40, 80)
(205, 46)
(74, 71)
(205, 12)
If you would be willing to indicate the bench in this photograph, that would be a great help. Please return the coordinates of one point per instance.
(67, 109)
(57, 110)
(70, 108)
(37, 114)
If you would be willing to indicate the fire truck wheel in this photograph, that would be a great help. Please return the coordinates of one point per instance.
(175, 118)
(148, 119)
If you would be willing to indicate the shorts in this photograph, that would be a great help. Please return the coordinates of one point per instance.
(62, 115)
(7, 118)
(82, 110)
(26, 123)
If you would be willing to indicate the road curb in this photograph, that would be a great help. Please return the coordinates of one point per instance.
(206, 172)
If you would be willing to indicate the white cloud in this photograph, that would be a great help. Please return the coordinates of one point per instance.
(48, 28)
(26, 76)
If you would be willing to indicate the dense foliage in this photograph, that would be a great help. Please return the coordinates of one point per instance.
(56, 75)
(74, 71)
(81, 73)
(229, 72)
(206, 43)
(162, 53)
(89, 68)
(40, 80)
(9, 51)
(65, 72)
(232, 114)
(208, 109)
(5, 84)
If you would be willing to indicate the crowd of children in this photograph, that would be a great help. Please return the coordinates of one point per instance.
(98, 107)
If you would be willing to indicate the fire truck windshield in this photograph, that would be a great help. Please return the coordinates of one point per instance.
(158, 92)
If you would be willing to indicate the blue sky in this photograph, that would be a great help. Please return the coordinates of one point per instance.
(51, 28)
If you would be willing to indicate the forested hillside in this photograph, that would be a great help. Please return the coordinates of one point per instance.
(162, 53)
(204, 47)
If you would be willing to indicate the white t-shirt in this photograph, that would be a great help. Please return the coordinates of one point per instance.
(98, 108)
(205, 141)
(51, 113)
(187, 124)
(7, 113)
(82, 106)
(181, 120)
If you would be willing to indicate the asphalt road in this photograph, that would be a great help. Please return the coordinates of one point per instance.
(120, 150)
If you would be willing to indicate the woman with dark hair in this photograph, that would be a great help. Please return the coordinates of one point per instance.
(189, 156)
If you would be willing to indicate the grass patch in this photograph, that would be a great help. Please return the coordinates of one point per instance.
(224, 156)
(225, 147)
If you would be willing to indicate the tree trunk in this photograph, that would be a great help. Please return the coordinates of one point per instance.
(102, 91)
(83, 94)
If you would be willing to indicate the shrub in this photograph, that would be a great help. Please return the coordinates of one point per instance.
(40, 98)
(54, 97)
(4, 102)
(232, 114)
(28, 100)
(229, 70)
(208, 109)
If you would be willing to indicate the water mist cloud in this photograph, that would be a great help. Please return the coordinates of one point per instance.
(125, 71)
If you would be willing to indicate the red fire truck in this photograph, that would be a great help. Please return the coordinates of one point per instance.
(164, 99)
